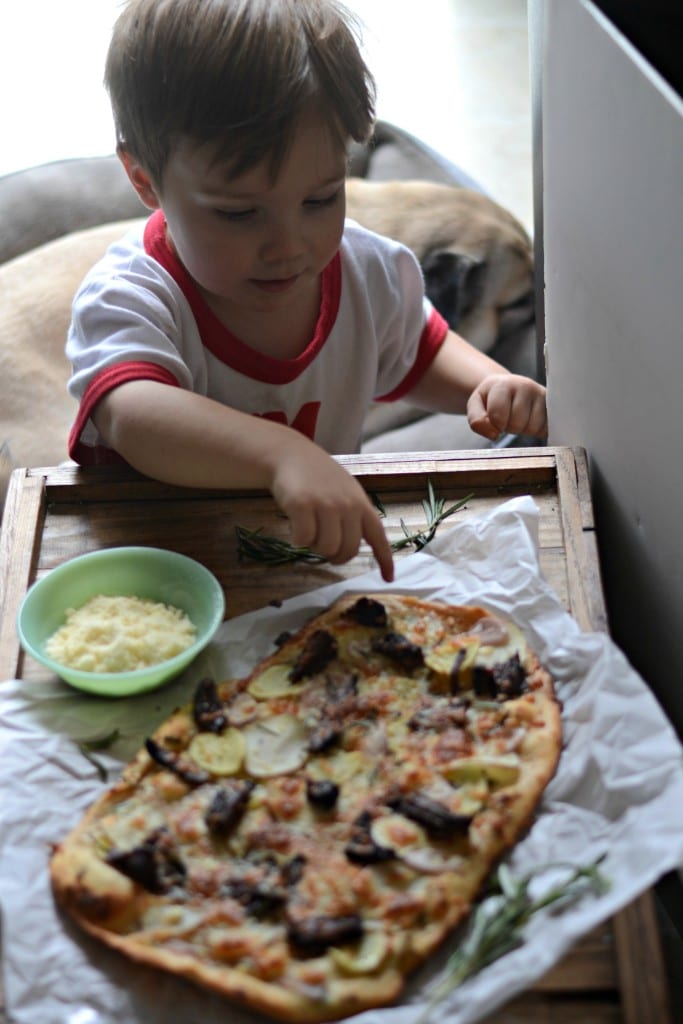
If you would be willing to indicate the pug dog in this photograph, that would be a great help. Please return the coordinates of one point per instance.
(477, 263)
(476, 257)
(36, 411)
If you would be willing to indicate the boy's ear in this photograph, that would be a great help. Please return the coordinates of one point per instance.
(139, 179)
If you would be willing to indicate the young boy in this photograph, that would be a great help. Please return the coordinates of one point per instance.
(241, 337)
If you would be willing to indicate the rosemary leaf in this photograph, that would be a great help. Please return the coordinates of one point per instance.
(377, 502)
(87, 747)
(435, 513)
(498, 922)
(260, 547)
(101, 742)
(95, 761)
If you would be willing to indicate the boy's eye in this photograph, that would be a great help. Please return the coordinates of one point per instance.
(324, 200)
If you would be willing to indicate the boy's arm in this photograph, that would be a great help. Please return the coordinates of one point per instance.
(186, 439)
(462, 379)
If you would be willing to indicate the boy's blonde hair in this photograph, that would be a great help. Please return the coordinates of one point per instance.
(236, 74)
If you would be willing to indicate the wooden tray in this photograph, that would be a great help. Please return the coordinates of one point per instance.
(614, 974)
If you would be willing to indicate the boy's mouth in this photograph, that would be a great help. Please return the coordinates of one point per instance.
(275, 284)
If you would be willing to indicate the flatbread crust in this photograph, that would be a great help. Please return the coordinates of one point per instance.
(301, 839)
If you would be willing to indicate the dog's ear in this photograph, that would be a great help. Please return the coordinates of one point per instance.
(454, 283)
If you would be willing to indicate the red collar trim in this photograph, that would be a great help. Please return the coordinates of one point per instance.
(224, 345)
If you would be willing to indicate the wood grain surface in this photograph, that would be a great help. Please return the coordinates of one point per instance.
(616, 973)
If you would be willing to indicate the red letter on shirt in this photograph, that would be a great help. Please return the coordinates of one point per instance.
(304, 421)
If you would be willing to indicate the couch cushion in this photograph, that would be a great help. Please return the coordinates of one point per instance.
(45, 202)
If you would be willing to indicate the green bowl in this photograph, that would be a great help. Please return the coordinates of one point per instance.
(152, 573)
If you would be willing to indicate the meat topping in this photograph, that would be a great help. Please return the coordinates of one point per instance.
(322, 793)
(319, 650)
(155, 864)
(170, 759)
(293, 870)
(505, 680)
(267, 884)
(362, 848)
(368, 612)
(259, 899)
(438, 821)
(227, 806)
(208, 710)
(440, 717)
(313, 935)
(339, 686)
(325, 734)
(401, 650)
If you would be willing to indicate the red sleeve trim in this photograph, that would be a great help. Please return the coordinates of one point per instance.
(99, 386)
(433, 336)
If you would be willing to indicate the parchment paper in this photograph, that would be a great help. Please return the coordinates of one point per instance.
(618, 791)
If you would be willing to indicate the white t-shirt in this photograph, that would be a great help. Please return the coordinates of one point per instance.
(138, 315)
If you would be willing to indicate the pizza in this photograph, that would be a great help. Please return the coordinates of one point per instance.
(303, 838)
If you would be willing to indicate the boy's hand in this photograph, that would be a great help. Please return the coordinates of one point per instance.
(328, 510)
(507, 402)
(216, 446)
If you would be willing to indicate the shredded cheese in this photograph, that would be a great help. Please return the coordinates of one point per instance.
(120, 634)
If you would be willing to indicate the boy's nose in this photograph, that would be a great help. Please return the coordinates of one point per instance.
(283, 242)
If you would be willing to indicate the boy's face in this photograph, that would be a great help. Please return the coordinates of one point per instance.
(253, 245)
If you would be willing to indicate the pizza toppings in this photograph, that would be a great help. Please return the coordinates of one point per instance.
(319, 650)
(259, 898)
(241, 708)
(275, 745)
(504, 680)
(368, 612)
(503, 769)
(172, 760)
(325, 735)
(411, 843)
(276, 681)
(322, 793)
(364, 956)
(436, 819)
(218, 754)
(313, 935)
(401, 650)
(227, 806)
(362, 847)
(154, 864)
(208, 710)
(440, 716)
(490, 631)
(307, 834)
(396, 832)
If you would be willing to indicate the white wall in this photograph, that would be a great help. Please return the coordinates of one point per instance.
(457, 78)
(612, 134)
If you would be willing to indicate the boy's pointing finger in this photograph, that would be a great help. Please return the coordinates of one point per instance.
(373, 531)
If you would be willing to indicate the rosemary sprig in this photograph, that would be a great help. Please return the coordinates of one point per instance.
(435, 513)
(497, 925)
(261, 547)
(87, 748)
